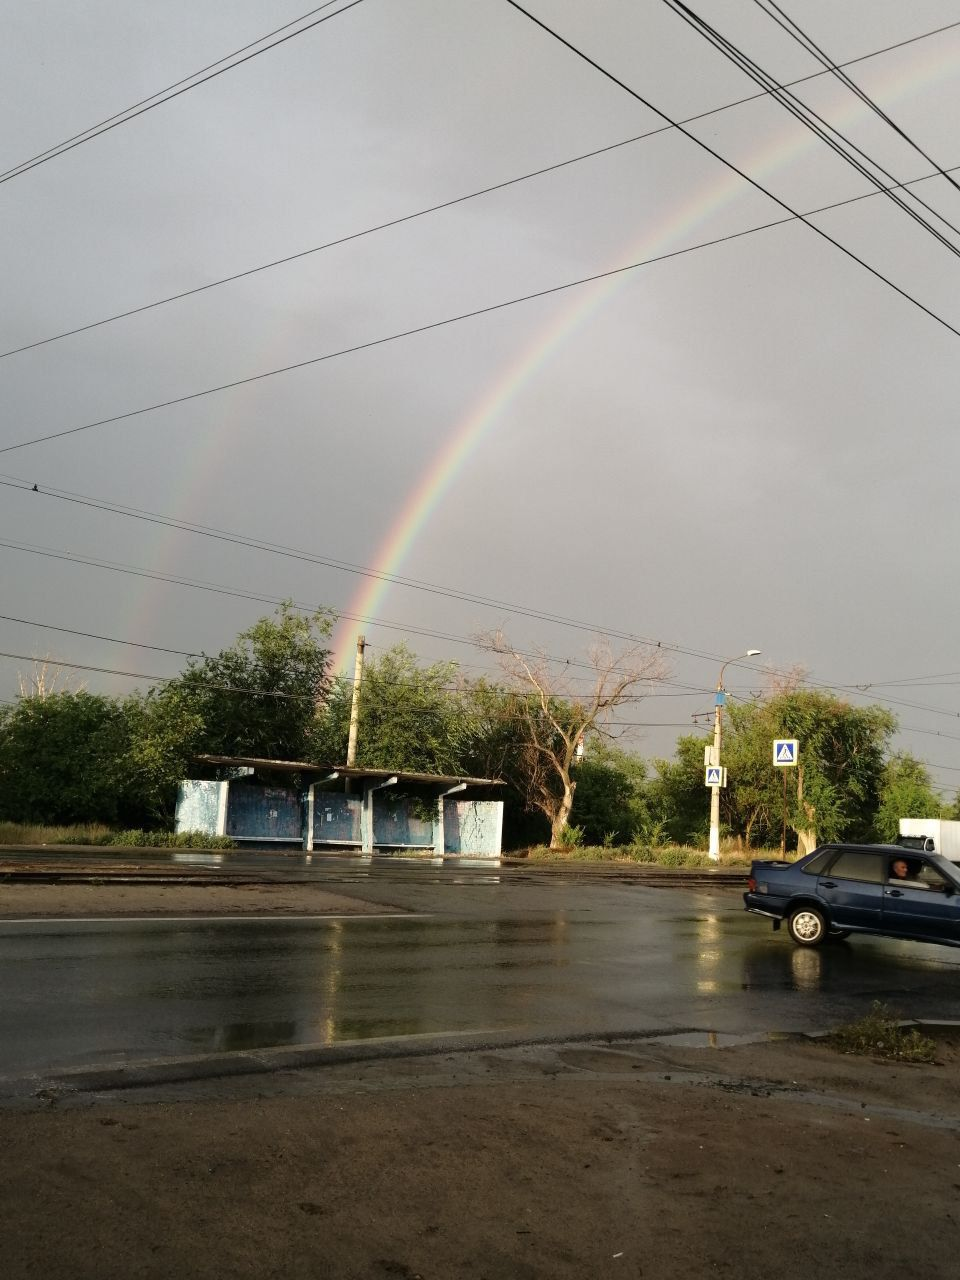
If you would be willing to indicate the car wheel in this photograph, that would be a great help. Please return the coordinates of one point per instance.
(808, 926)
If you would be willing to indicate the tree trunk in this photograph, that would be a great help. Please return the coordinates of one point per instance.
(559, 821)
(806, 835)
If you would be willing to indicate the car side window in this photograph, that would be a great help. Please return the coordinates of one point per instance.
(932, 879)
(915, 873)
(818, 862)
(858, 866)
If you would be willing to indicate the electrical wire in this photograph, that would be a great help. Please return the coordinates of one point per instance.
(758, 186)
(449, 204)
(163, 96)
(772, 10)
(490, 309)
(431, 588)
(829, 134)
(140, 675)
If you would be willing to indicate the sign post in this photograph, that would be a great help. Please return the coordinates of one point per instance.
(786, 754)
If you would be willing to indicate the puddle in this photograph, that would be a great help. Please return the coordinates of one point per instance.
(720, 1039)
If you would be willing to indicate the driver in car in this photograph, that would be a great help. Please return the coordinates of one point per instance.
(901, 872)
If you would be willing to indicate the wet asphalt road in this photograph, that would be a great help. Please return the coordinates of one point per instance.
(529, 954)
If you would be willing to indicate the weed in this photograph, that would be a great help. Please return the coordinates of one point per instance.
(878, 1034)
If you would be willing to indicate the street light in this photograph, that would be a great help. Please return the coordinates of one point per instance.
(714, 849)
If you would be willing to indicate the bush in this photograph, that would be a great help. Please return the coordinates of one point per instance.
(667, 856)
(95, 835)
(35, 833)
(879, 1035)
(171, 840)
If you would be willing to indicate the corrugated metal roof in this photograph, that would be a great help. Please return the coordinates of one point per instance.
(344, 771)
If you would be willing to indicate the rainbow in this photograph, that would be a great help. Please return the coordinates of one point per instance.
(921, 69)
(924, 69)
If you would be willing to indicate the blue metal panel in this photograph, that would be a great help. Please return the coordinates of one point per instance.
(264, 813)
(472, 826)
(336, 818)
(198, 806)
(394, 823)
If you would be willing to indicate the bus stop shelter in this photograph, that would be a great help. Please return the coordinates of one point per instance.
(343, 808)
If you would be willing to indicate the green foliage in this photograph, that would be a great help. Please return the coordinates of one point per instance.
(611, 803)
(170, 840)
(677, 798)
(879, 1034)
(35, 833)
(663, 856)
(260, 696)
(571, 837)
(94, 835)
(411, 717)
(63, 759)
(165, 731)
(833, 794)
(906, 792)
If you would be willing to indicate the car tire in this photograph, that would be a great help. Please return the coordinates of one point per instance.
(808, 927)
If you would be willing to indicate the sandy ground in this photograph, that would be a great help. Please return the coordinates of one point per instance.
(639, 1159)
(49, 901)
(578, 1161)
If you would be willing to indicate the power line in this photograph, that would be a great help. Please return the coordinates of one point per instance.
(772, 10)
(490, 309)
(172, 91)
(327, 562)
(140, 675)
(92, 635)
(734, 168)
(448, 204)
(839, 143)
(431, 588)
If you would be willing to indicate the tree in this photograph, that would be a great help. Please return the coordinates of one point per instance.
(611, 805)
(906, 792)
(164, 732)
(260, 696)
(63, 759)
(551, 719)
(834, 791)
(415, 718)
(677, 796)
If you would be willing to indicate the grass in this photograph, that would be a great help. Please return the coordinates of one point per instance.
(101, 836)
(648, 855)
(879, 1034)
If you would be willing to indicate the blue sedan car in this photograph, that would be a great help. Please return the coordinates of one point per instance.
(841, 889)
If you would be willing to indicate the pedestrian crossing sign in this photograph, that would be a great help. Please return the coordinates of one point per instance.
(785, 751)
(715, 776)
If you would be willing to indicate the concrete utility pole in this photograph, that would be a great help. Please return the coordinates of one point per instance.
(714, 847)
(355, 703)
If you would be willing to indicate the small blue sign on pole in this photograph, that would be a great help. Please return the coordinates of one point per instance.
(785, 752)
(715, 776)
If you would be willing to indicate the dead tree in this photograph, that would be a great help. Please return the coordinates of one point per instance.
(553, 719)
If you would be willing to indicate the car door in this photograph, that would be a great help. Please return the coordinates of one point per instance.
(924, 906)
(852, 889)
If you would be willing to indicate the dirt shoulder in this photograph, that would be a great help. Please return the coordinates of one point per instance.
(74, 901)
(640, 1160)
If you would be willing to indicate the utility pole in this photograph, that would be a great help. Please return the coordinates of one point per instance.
(714, 847)
(721, 697)
(355, 705)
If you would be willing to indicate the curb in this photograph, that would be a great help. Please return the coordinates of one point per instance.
(246, 1062)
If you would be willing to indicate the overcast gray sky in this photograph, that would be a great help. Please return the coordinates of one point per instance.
(749, 445)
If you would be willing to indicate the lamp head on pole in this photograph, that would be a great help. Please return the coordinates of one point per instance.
(751, 653)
